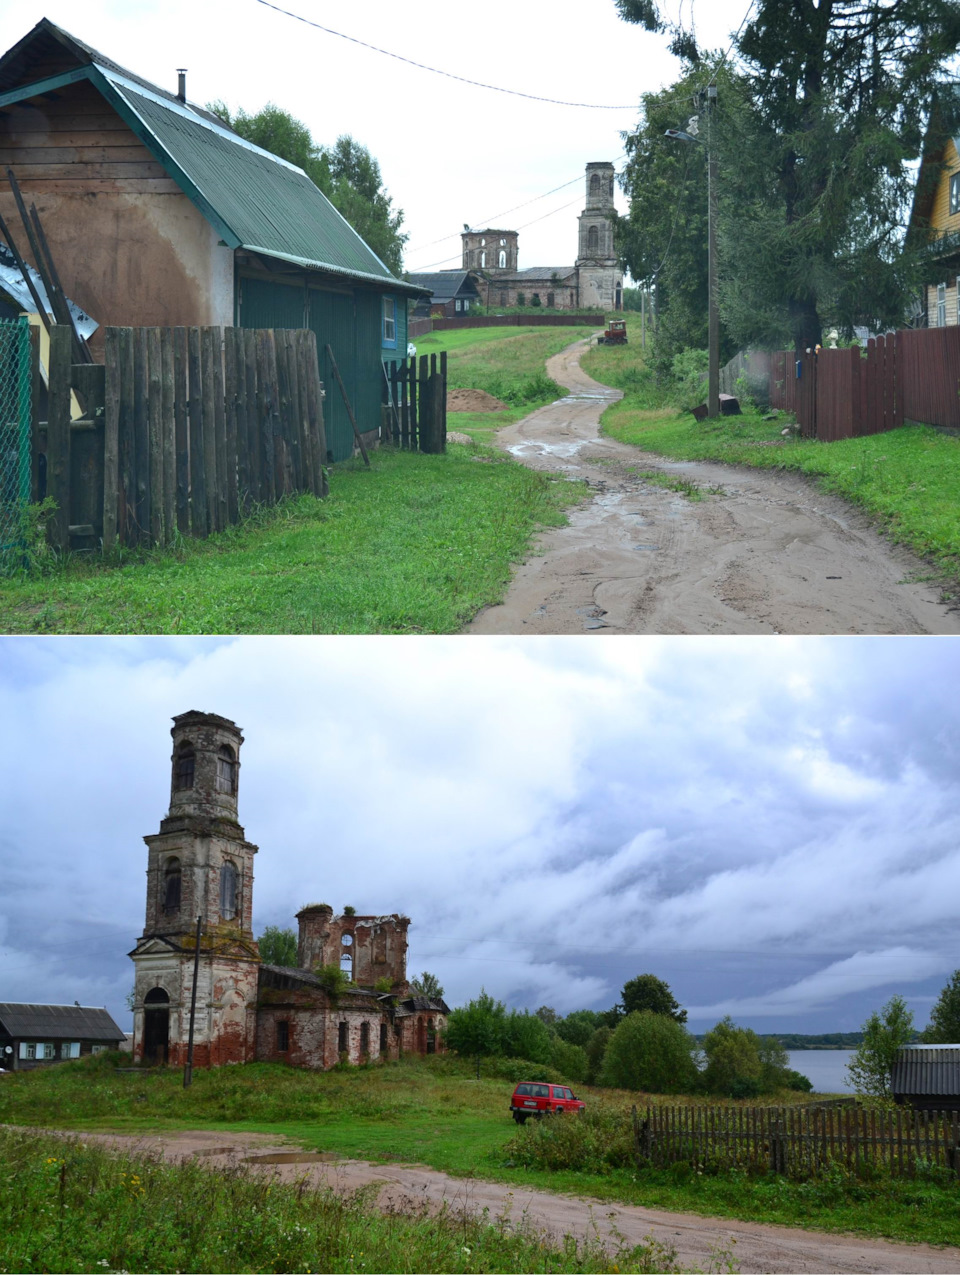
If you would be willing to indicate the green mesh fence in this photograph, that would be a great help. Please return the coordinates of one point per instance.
(14, 431)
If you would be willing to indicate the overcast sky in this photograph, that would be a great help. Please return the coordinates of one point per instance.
(770, 825)
(450, 153)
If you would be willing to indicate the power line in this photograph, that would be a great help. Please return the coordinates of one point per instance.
(494, 88)
(552, 213)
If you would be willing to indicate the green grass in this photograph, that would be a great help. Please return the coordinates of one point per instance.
(70, 1207)
(907, 480)
(415, 544)
(431, 1111)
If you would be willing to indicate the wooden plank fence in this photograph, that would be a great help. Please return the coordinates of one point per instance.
(799, 1141)
(415, 403)
(185, 430)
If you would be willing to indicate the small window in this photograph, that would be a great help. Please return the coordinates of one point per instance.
(183, 771)
(171, 887)
(593, 239)
(954, 193)
(502, 242)
(364, 1038)
(28, 1049)
(466, 304)
(457, 306)
(70, 1049)
(550, 300)
(483, 243)
(502, 260)
(383, 1038)
(941, 305)
(521, 298)
(343, 1038)
(595, 184)
(49, 1050)
(226, 770)
(99, 1049)
(390, 322)
(228, 891)
(283, 1036)
(483, 261)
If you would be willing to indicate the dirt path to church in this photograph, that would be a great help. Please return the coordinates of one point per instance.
(767, 553)
(698, 1241)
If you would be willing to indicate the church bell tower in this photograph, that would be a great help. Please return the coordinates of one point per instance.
(199, 866)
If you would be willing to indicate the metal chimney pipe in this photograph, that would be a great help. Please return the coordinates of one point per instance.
(181, 83)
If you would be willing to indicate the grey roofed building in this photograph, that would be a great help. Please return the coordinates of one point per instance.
(447, 288)
(31, 1035)
(927, 1077)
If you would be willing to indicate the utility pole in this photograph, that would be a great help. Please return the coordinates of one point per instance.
(713, 314)
(188, 1070)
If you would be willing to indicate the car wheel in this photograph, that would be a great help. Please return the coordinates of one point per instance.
(519, 1117)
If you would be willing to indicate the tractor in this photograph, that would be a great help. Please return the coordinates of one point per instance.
(615, 334)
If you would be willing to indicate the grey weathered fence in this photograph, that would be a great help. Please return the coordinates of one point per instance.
(799, 1141)
(415, 407)
(184, 430)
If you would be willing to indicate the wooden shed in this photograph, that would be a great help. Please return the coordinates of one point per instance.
(927, 1077)
(159, 215)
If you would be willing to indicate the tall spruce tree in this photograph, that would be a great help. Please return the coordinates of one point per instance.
(815, 143)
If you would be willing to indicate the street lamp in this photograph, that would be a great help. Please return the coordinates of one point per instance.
(713, 315)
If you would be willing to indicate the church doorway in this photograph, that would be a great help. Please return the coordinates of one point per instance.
(156, 1027)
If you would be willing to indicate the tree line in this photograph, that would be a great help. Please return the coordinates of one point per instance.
(819, 118)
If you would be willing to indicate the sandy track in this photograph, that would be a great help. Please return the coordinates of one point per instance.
(768, 553)
(698, 1240)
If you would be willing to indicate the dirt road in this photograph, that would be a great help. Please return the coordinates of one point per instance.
(701, 1243)
(767, 553)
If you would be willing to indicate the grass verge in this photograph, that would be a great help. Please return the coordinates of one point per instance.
(907, 480)
(415, 544)
(431, 1111)
(77, 1207)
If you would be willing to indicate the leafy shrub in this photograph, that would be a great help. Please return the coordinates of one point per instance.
(598, 1140)
(689, 369)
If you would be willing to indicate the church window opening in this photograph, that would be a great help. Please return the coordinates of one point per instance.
(431, 1037)
(483, 243)
(228, 891)
(521, 298)
(346, 954)
(502, 259)
(171, 887)
(383, 1038)
(226, 770)
(364, 1038)
(593, 239)
(343, 1039)
(184, 768)
(595, 184)
(483, 260)
(283, 1036)
(550, 299)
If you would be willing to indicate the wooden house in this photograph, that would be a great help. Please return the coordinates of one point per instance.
(935, 218)
(927, 1077)
(35, 1035)
(159, 215)
(452, 293)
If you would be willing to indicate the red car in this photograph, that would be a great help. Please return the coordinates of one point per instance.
(533, 1098)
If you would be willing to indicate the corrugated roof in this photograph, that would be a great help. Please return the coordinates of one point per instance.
(444, 284)
(77, 1022)
(543, 273)
(927, 1069)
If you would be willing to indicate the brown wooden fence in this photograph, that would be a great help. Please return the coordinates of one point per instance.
(799, 1141)
(184, 430)
(911, 375)
(415, 406)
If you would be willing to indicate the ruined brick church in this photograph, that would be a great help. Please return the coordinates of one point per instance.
(200, 865)
(594, 282)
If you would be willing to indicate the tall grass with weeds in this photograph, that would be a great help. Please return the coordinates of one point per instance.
(67, 1206)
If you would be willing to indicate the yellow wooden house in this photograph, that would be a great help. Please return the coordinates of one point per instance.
(936, 218)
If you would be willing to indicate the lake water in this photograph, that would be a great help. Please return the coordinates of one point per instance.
(826, 1068)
